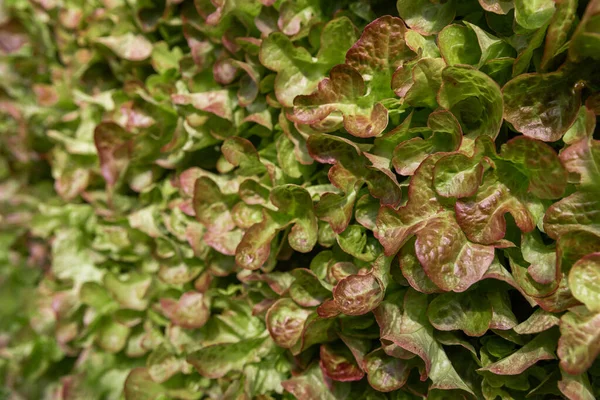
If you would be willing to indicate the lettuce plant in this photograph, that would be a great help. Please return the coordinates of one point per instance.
(277, 199)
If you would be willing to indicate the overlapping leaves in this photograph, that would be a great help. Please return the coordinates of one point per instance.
(264, 199)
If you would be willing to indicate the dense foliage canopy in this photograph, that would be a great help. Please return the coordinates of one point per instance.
(319, 199)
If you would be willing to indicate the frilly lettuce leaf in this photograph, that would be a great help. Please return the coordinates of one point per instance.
(298, 73)
(299, 198)
(355, 89)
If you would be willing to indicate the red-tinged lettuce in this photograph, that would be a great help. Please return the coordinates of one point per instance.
(339, 364)
(294, 207)
(541, 347)
(242, 199)
(358, 88)
(578, 345)
(542, 106)
(298, 72)
(402, 323)
(583, 278)
(386, 373)
(448, 258)
(558, 31)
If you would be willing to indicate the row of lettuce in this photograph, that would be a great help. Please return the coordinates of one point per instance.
(312, 199)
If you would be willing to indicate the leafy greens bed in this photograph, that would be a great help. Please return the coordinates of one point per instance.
(343, 199)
